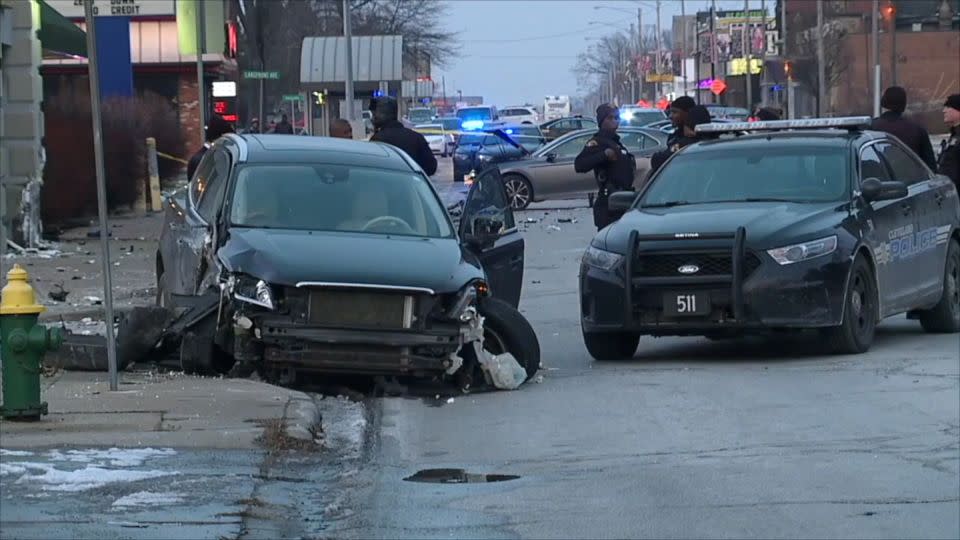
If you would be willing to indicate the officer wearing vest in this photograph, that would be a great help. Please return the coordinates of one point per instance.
(612, 164)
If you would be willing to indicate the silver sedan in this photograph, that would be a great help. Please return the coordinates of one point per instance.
(548, 173)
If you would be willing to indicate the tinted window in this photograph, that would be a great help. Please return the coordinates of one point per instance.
(323, 197)
(216, 181)
(450, 123)
(636, 142)
(805, 174)
(199, 183)
(475, 113)
(871, 166)
(488, 198)
(587, 123)
(571, 148)
(905, 167)
(471, 139)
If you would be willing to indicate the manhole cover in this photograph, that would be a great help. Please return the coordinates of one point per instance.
(456, 476)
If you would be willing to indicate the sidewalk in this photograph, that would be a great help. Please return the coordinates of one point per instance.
(163, 409)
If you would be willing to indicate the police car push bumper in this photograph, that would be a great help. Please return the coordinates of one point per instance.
(797, 286)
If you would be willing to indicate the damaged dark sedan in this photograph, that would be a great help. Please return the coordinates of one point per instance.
(302, 255)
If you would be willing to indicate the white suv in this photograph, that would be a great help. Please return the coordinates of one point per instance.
(520, 115)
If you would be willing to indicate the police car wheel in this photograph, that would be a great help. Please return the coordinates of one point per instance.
(611, 345)
(944, 318)
(506, 330)
(519, 191)
(855, 333)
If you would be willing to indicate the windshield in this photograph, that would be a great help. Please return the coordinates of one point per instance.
(419, 115)
(796, 174)
(641, 118)
(450, 124)
(323, 197)
(477, 139)
(475, 113)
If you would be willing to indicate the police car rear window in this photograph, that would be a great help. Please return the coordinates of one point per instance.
(800, 174)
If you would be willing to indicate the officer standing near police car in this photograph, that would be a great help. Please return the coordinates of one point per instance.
(612, 164)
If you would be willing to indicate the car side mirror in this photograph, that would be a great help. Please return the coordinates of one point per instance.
(621, 201)
(551, 157)
(873, 190)
(484, 233)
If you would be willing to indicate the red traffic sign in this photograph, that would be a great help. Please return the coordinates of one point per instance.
(718, 87)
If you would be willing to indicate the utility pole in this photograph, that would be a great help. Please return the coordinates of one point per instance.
(821, 67)
(713, 44)
(659, 59)
(791, 109)
(875, 29)
(348, 37)
(201, 87)
(748, 44)
(764, 88)
(683, 45)
(893, 47)
(640, 47)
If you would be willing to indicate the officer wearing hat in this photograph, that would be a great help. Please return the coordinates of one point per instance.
(388, 129)
(949, 162)
(612, 164)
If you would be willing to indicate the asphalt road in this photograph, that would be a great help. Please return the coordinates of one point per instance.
(691, 438)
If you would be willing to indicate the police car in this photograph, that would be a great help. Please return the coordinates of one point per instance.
(799, 224)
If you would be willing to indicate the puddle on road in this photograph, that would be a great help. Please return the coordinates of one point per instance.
(456, 476)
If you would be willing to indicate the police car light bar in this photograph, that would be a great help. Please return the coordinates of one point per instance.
(849, 122)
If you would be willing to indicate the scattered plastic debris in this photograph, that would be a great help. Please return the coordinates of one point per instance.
(59, 294)
(531, 220)
(553, 228)
(93, 300)
(450, 400)
(567, 220)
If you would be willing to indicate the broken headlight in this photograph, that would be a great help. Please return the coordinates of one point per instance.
(466, 298)
(254, 291)
(598, 258)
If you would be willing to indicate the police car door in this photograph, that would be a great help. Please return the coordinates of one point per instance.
(503, 261)
(928, 246)
(888, 224)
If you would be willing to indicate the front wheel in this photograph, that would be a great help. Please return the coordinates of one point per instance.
(855, 333)
(519, 191)
(506, 330)
(944, 318)
(611, 345)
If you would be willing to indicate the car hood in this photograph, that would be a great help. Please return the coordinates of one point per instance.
(285, 257)
(766, 223)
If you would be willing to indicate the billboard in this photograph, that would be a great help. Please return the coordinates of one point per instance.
(73, 9)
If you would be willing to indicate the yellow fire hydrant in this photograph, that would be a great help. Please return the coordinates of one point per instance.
(23, 343)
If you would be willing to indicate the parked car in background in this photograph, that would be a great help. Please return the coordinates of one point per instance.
(640, 116)
(720, 112)
(519, 115)
(554, 129)
(421, 115)
(476, 151)
(548, 173)
(473, 118)
(440, 141)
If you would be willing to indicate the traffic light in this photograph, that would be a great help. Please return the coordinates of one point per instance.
(889, 11)
(788, 70)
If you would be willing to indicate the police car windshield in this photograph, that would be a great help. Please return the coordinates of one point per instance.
(804, 174)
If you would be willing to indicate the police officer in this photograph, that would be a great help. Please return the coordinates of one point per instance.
(612, 164)
(388, 129)
(949, 162)
(679, 111)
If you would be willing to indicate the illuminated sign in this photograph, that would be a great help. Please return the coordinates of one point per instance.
(226, 109)
(73, 9)
(224, 89)
(738, 66)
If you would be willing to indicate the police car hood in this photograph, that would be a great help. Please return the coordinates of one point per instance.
(768, 224)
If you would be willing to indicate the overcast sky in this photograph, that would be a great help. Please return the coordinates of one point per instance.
(518, 51)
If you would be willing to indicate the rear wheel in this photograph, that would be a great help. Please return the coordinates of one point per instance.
(855, 333)
(519, 191)
(611, 345)
(944, 318)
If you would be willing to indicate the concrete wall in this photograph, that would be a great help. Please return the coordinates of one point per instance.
(22, 118)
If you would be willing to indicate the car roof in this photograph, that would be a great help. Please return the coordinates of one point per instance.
(269, 148)
(817, 137)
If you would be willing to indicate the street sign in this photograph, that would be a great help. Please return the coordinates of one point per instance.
(659, 77)
(261, 74)
(718, 86)
(292, 97)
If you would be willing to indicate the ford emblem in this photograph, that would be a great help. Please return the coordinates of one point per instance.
(688, 269)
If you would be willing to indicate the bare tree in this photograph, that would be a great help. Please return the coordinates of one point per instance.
(804, 52)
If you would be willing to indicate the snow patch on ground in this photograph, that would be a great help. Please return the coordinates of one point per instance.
(11, 468)
(89, 477)
(14, 453)
(147, 498)
(117, 457)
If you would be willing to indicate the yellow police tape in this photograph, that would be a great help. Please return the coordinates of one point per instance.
(172, 158)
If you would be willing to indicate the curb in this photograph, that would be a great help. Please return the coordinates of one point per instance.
(302, 418)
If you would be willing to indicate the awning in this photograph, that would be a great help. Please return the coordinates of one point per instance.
(323, 60)
(59, 34)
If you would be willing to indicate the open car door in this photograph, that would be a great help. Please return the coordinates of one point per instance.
(502, 256)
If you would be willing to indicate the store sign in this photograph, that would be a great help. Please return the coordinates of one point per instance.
(226, 108)
(738, 66)
(224, 89)
(73, 9)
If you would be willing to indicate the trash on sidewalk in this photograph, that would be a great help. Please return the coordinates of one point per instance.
(59, 294)
(567, 220)
(553, 228)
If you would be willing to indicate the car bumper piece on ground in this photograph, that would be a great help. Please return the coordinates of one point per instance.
(756, 294)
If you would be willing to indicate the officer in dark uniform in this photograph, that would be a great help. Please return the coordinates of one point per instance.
(612, 164)
(388, 129)
(949, 162)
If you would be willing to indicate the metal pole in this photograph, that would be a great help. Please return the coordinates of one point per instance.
(893, 47)
(94, 77)
(764, 78)
(713, 44)
(640, 48)
(875, 29)
(821, 66)
(683, 45)
(201, 87)
(659, 59)
(783, 38)
(749, 45)
(348, 37)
